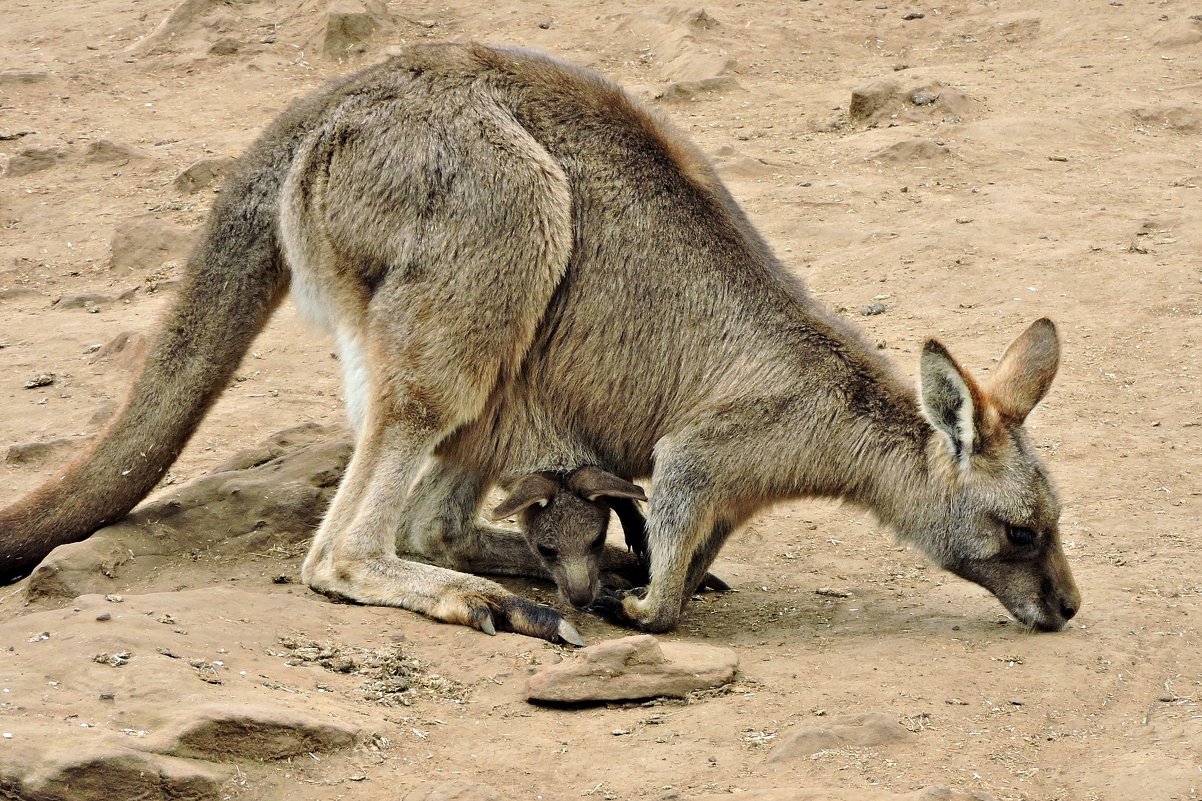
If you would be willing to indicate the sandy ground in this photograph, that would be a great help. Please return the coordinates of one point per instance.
(1057, 173)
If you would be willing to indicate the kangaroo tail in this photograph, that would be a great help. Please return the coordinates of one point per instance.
(236, 277)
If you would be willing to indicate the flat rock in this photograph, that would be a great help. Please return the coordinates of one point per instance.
(87, 300)
(631, 668)
(48, 452)
(145, 244)
(273, 494)
(247, 732)
(203, 174)
(692, 89)
(35, 159)
(72, 771)
(1177, 118)
(869, 729)
(106, 151)
(22, 77)
(127, 350)
(452, 791)
(914, 149)
(933, 793)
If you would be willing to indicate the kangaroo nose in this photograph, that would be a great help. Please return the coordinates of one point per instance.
(1068, 609)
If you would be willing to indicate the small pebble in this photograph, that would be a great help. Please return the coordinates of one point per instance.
(107, 697)
(1016, 701)
(104, 616)
(873, 309)
(40, 380)
(923, 98)
(545, 24)
(913, 15)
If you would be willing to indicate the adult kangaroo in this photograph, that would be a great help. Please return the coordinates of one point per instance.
(516, 260)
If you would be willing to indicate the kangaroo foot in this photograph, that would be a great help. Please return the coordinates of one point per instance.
(493, 613)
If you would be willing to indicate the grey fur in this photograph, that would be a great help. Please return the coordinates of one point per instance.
(534, 273)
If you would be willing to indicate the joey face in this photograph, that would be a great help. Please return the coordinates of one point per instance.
(564, 519)
(993, 515)
(568, 535)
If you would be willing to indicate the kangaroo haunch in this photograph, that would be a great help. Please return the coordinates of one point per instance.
(526, 271)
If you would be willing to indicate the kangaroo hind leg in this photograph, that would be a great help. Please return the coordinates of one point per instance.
(456, 280)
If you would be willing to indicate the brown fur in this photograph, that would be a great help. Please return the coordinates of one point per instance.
(471, 223)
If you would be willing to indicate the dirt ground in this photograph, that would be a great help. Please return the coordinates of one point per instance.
(1041, 158)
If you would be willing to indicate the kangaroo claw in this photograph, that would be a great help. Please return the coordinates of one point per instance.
(714, 584)
(611, 605)
(486, 626)
(568, 633)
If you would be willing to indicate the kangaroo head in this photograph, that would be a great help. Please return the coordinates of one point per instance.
(564, 519)
(994, 515)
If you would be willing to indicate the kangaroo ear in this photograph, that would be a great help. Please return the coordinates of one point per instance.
(592, 483)
(528, 491)
(1026, 371)
(952, 402)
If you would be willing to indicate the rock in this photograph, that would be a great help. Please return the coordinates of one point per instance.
(103, 412)
(54, 450)
(689, 90)
(180, 27)
(35, 159)
(225, 46)
(631, 668)
(203, 173)
(350, 24)
(452, 791)
(40, 380)
(869, 98)
(934, 793)
(22, 77)
(127, 349)
(103, 151)
(224, 732)
(84, 300)
(75, 771)
(273, 494)
(1179, 119)
(144, 244)
(873, 309)
(868, 729)
(916, 149)
(907, 99)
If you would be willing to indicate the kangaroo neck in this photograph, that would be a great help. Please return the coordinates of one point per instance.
(849, 427)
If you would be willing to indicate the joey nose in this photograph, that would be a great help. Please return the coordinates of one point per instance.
(580, 598)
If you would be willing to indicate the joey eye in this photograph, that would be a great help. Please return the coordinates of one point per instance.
(598, 543)
(548, 552)
(1020, 536)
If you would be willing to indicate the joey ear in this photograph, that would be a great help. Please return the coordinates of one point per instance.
(1026, 371)
(952, 402)
(592, 483)
(529, 490)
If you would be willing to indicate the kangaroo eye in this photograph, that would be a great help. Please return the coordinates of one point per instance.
(1020, 536)
(548, 552)
(599, 543)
